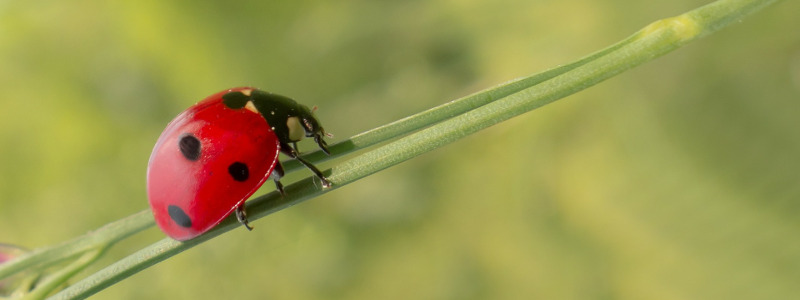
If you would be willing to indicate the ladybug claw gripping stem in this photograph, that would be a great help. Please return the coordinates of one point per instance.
(291, 152)
(325, 182)
(276, 175)
(317, 172)
(241, 215)
(279, 187)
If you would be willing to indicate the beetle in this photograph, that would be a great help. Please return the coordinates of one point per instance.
(218, 152)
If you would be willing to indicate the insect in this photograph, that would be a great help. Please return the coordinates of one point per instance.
(217, 153)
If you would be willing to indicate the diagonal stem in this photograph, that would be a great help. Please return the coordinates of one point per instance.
(433, 128)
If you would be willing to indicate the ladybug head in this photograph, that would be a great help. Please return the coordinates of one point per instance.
(290, 120)
(312, 127)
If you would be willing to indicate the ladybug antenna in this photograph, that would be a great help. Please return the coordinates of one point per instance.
(327, 134)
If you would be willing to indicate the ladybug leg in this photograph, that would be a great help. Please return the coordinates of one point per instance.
(241, 215)
(291, 152)
(322, 144)
(276, 175)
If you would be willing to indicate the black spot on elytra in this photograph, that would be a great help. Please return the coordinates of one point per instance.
(235, 100)
(179, 216)
(190, 146)
(239, 171)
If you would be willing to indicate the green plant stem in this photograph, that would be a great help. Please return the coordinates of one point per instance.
(86, 248)
(98, 239)
(707, 19)
(452, 121)
(647, 44)
(443, 112)
(53, 281)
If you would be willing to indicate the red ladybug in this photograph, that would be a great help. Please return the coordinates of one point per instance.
(217, 153)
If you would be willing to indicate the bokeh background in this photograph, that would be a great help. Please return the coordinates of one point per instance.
(676, 180)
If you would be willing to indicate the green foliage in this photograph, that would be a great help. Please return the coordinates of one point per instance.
(678, 184)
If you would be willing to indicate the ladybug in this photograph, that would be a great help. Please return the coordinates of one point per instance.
(217, 153)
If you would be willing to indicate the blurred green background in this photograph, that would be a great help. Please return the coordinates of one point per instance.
(676, 180)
